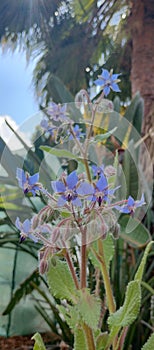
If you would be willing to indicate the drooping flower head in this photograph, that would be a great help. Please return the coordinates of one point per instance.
(107, 80)
(29, 184)
(131, 205)
(25, 229)
(97, 170)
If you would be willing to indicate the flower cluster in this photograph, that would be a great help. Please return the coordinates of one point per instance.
(73, 191)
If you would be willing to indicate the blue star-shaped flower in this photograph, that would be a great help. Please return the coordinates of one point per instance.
(57, 112)
(101, 190)
(108, 81)
(97, 170)
(77, 133)
(25, 229)
(28, 183)
(70, 190)
(46, 125)
(131, 205)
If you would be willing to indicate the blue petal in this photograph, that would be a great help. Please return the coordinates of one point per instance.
(94, 169)
(141, 202)
(26, 226)
(18, 223)
(111, 192)
(33, 191)
(77, 202)
(101, 184)
(34, 239)
(33, 179)
(72, 180)
(115, 87)
(85, 189)
(106, 90)
(130, 202)
(125, 210)
(58, 186)
(20, 175)
(61, 201)
(98, 82)
(105, 74)
(115, 76)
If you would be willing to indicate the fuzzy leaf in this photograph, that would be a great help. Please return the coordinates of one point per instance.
(89, 308)
(70, 314)
(60, 281)
(133, 231)
(39, 345)
(140, 270)
(149, 345)
(108, 246)
(58, 152)
(101, 341)
(79, 339)
(102, 137)
(130, 309)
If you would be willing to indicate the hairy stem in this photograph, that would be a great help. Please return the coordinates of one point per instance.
(71, 267)
(89, 337)
(106, 278)
(83, 260)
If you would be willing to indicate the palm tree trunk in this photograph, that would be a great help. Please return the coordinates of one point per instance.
(142, 73)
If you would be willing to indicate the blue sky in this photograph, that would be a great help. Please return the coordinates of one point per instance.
(16, 91)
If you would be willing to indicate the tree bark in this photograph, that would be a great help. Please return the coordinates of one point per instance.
(142, 73)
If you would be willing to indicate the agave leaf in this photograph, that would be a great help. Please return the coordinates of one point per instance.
(25, 288)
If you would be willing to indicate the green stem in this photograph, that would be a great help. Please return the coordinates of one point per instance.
(106, 278)
(83, 260)
(71, 266)
(89, 337)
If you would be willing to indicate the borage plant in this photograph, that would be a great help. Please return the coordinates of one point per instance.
(77, 228)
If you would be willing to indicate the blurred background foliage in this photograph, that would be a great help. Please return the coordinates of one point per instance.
(71, 42)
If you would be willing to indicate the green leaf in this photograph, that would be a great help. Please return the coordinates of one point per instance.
(60, 281)
(39, 345)
(101, 341)
(133, 231)
(79, 339)
(59, 152)
(108, 245)
(139, 273)
(130, 170)
(149, 345)
(70, 314)
(89, 308)
(102, 137)
(131, 109)
(127, 313)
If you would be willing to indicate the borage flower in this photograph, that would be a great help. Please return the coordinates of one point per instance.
(107, 80)
(70, 189)
(29, 184)
(131, 205)
(102, 193)
(57, 112)
(47, 126)
(97, 170)
(77, 132)
(25, 229)
(101, 190)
